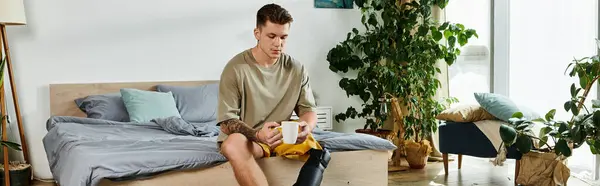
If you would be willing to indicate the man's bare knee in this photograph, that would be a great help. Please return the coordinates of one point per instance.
(235, 146)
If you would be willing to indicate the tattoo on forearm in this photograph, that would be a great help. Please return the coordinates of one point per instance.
(231, 126)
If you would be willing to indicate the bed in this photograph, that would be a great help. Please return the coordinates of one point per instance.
(89, 151)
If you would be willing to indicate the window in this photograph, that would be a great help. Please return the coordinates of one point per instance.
(531, 44)
(544, 39)
(471, 72)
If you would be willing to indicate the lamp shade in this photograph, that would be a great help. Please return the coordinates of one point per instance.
(12, 12)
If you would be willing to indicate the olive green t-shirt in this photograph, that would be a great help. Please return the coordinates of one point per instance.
(257, 94)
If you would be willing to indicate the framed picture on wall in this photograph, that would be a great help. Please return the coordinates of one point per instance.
(342, 4)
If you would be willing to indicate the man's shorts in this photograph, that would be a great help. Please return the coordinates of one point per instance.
(266, 150)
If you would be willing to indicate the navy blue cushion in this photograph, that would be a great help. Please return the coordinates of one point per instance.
(467, 139)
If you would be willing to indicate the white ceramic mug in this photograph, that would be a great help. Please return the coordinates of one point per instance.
(289, 130)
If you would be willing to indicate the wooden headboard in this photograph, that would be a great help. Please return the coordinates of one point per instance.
(62, 96)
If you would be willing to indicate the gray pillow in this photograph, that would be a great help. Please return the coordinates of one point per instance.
(337, 141)
(104, 106)
(195, 103)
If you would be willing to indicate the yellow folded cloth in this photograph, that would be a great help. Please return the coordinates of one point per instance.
(296, 151)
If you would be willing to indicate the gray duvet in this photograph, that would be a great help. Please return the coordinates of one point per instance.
(82, 151)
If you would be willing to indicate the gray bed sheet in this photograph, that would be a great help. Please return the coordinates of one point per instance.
(83, 151)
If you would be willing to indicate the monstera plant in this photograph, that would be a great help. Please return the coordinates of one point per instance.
(397, 55)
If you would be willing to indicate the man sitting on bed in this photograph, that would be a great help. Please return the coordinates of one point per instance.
(260, 87)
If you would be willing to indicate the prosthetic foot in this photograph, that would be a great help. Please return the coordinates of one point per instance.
(311, 174)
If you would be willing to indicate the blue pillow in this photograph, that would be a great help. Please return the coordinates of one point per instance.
(502, 107)
(195, 103)
(144, 106)
(337, 141)
(104, 106)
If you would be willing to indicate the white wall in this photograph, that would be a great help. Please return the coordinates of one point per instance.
(83, 41)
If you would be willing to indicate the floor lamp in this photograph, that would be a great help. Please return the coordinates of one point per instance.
(12, 12)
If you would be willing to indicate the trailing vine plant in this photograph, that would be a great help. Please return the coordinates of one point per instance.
(397, 54)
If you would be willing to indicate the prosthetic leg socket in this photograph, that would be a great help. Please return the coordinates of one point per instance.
(311, 173)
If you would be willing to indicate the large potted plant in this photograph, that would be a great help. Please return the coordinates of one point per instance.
(557, 138)
(19, 172)
(396, 58)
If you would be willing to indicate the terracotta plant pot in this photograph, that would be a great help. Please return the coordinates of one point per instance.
(417, 153)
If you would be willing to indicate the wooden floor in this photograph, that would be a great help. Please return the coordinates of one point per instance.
(474, 171)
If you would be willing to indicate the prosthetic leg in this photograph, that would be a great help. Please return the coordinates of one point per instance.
(311, 174)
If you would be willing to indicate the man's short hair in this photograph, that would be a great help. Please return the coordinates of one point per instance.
(274, 13)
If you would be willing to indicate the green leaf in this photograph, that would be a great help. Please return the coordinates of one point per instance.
(423, 30)
(596, 118)
(543, 141)
(573, 90)
(524, 144)
(591, 144)
(437, 35)
(11, 145)
(567, 106)
(517, 115)
(372, 20)
(2, 65)
(577, 135)
(562, 148)
(365, 96)
(355, 31)
(597, 145)
(574, 108)
(583, 81)
(444, 26)
(522, 126)
(452, 41)
(447, 33)
(562, 127)
(550, 115)
(515, 121)
(462, 40)
(360, 3)
(539, 120)
(508, 134)
(545, 131)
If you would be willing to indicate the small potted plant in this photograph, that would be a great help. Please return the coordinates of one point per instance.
(19, 172)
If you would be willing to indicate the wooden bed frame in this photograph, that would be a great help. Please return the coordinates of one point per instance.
(364, 167)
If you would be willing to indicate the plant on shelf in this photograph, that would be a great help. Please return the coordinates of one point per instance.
(19, 172)
(557, 136)
(396, 58)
